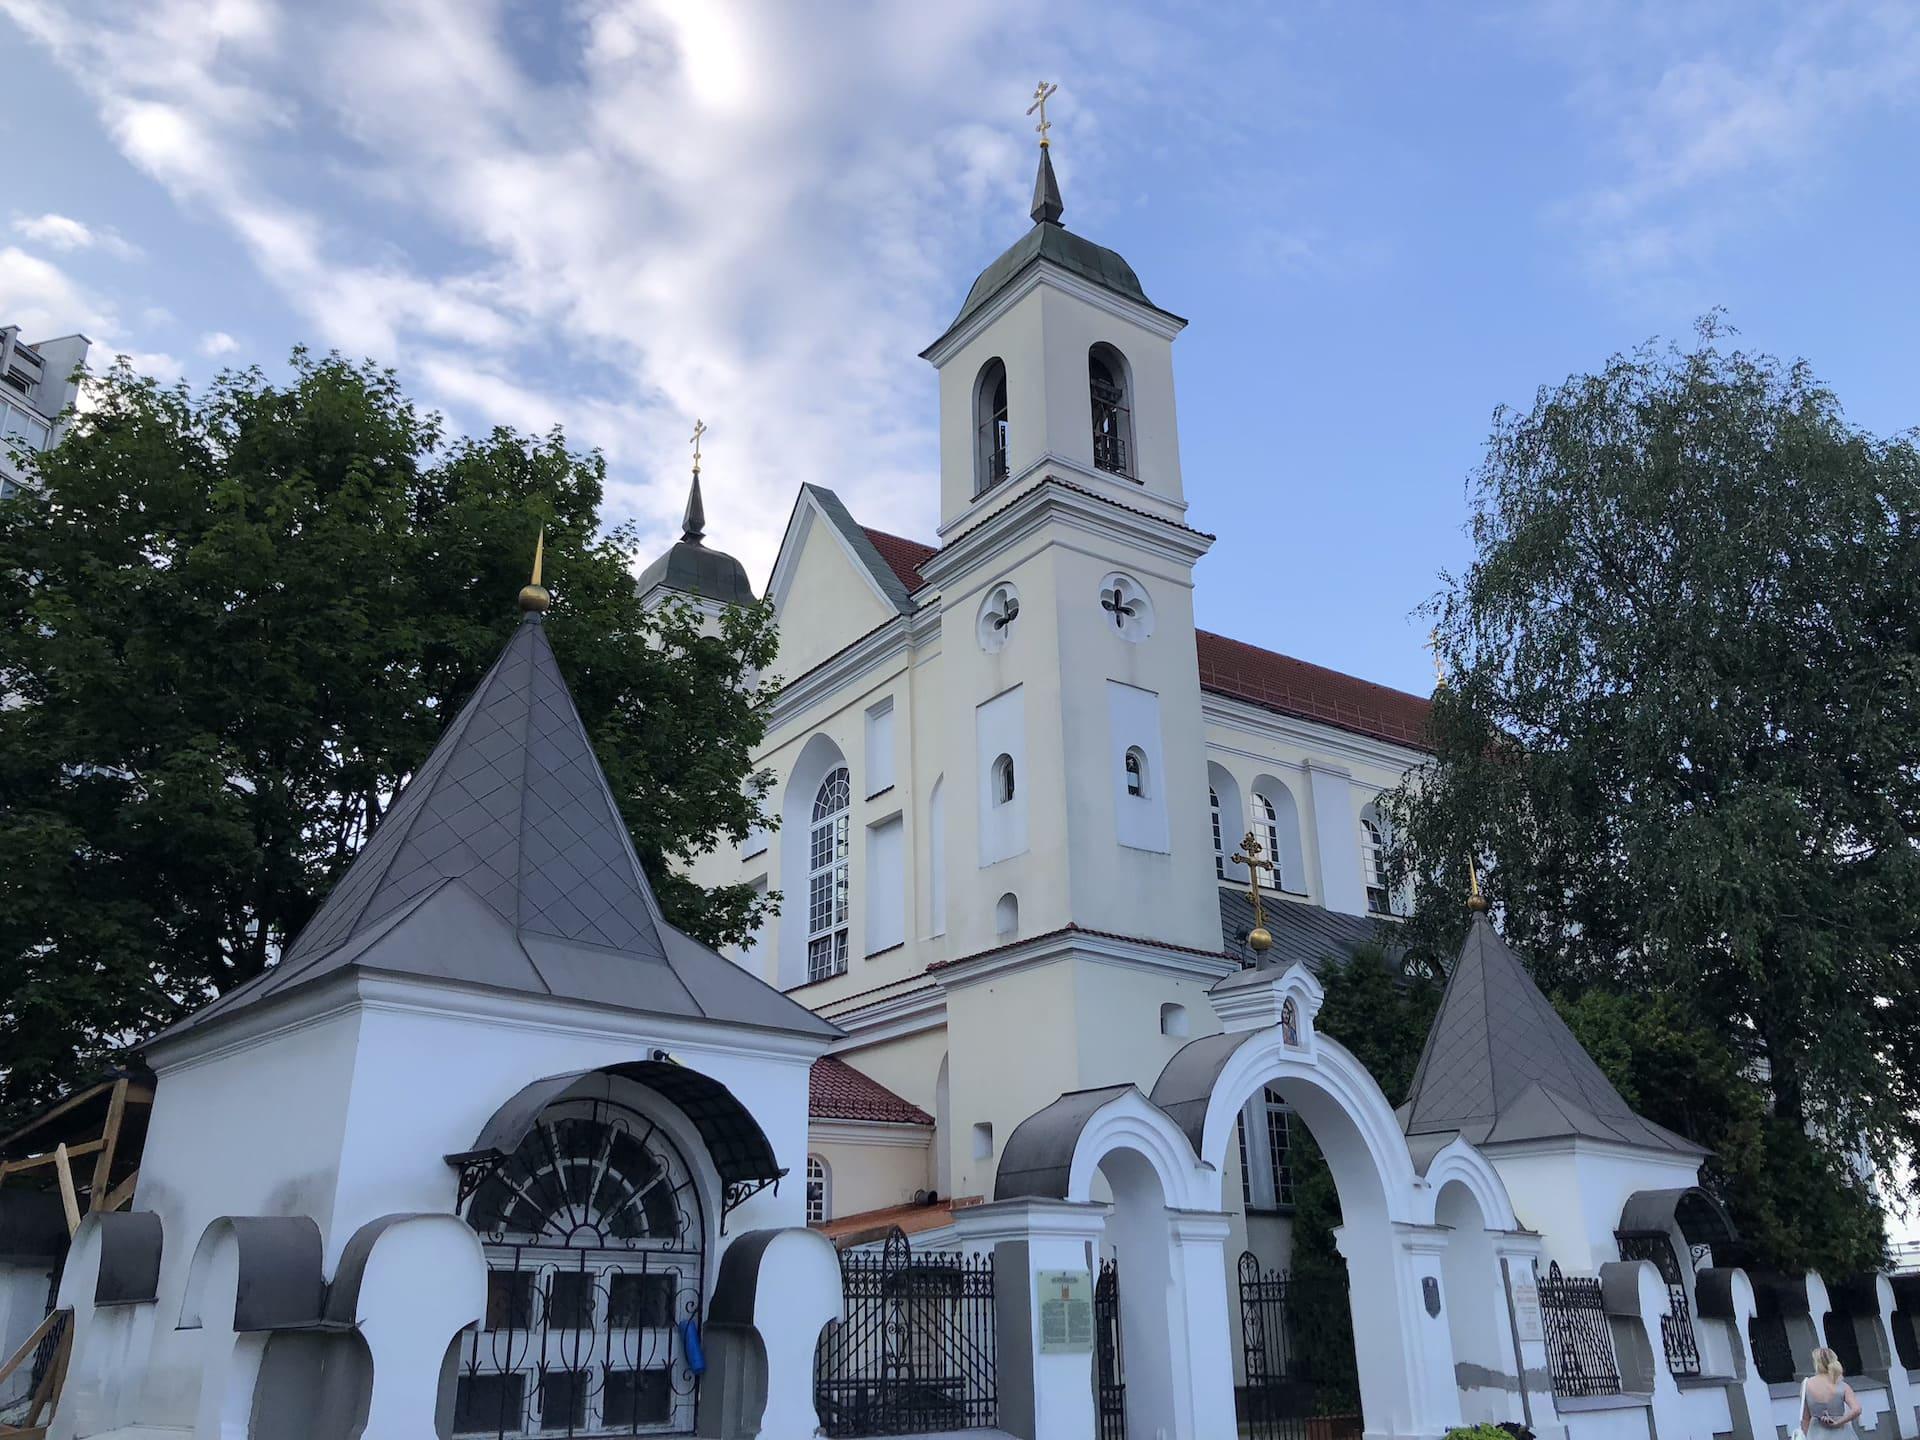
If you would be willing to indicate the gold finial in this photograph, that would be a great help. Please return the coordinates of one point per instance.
(535, 597)
(1476, 902)
(1260, 939)
(699, 429)
(1439, 667)
(1042, 93)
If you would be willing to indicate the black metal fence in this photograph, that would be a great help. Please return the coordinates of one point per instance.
(1677, 1336)
(1579, 1339)
(1844, 1340)
(1110, 1386)
(1284, 1325)
(1771, 1349)
(917, 1349)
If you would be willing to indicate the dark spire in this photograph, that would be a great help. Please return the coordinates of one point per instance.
(1047, 205)
(694, 527)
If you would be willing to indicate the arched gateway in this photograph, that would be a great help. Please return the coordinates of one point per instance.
(1425, 1229)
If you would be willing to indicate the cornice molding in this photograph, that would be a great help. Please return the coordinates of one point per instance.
(894, 1134)
(1040, 272)
(1319, 736)
(1147, 956)
(1051, 500)
(893, 638)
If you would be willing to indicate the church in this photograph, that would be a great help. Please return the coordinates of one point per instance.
(1013, 779)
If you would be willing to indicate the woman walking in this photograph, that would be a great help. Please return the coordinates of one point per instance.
(1827, 1402)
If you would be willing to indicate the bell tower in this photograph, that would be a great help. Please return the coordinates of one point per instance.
(1057, 363)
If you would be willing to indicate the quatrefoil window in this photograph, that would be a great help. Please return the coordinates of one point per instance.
(1125, 608)
(998, 612)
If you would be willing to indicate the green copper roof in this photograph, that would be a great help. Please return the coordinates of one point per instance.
(1052, 242)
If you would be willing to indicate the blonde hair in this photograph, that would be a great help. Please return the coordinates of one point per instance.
(1827, 1364)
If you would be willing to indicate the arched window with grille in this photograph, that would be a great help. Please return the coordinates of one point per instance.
(1219, 841)
(1373, 862)
(990, 426)
(1107, 388)
(595, 1240)
(828, 847)
(819, 1195)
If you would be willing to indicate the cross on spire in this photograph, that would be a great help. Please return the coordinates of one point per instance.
(699, 429)
(1042, 93)
(1251, 854)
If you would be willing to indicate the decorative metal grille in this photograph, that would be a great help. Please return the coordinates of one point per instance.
(1110, 1393)
(1277, 1316)
(1772, 1350)
(916, 1351)
(596, 1245)
(1677, 1336)
(1579, 1339)
(1906, 1344)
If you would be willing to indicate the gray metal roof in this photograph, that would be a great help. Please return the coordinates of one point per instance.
(1304, 933)
(505, 862)
(1052, 242)
(1501, 1065)
(691, 568)
(1038, 1155)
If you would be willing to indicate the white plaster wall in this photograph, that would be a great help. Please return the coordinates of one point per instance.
(839, 596)
(1000, 730)
(1133, 724)
(1573, 1194)
(23, 1305)
(886, 886)
(873, 1176)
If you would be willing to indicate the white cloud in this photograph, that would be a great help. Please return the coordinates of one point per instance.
(64, 233)
(753, 212)
(1711, 123)
(216, 343)
(44, 301)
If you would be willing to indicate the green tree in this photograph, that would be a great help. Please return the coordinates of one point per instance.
(1682, 725)
(232, 623)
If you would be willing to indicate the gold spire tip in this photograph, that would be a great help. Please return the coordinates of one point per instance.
(534, 596)
(1476, 902)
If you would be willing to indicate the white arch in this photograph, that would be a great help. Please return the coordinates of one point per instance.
(818, 757)
(1132, 1122)
(1461, 1162)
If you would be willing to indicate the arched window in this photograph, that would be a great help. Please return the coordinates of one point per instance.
(1006, 915)
(1266, 1170)
(595, 1242)
(1269, 835)
(1219, 841)
(1137, 773)
(1112, 417)
(1373, 862)
(990, 427)
(828, 847)
(1173, 1021)
(1003, 780)
(818, 1198)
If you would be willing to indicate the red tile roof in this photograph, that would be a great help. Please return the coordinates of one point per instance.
(837, 1091)
(870, 1226)
(904, 557)
(1246, 672)
(1312, 692)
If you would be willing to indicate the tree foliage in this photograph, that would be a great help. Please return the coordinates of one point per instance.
(231, 625)
(1681, 735)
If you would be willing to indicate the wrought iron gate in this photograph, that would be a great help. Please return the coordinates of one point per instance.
(1579, 1339)
(1110, 1392)
(916, 1351)
(1676, 1326)
(1280, 1398)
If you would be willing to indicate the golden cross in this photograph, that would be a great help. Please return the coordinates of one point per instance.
(1042, 93)
(1250, 855)
(699, 429)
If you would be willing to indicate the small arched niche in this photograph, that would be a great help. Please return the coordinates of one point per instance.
(1003, 779)
(1174, 1021)
(1006, 916)
(990, 426)
(1135, 767)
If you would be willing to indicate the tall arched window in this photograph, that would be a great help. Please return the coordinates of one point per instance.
(818, 1200)
(828, 846)
(1219, 841)
(1373, 863)
(1136, 764)
(1112, 415)
(1003, 780)
(1269, 835)
(990, 427)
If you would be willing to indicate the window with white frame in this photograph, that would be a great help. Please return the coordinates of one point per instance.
(1137, 773)
(1269, 834)
(1219, 843)
(818, 1201)
(1373, 865)
(827, 885)
(1266, 1164)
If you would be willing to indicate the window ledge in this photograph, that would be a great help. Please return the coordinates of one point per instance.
(878, 793)
(885, 950)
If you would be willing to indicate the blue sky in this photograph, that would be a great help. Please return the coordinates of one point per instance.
(1382, 221)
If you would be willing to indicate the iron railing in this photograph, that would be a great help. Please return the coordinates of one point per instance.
(1283, 1322)
(1110, 1385)
(1844, 1340)
(1110, 432)
(1579, 1339)
(917, 1349)
(992, 445)
(1677, 1336)
(1906, 1344)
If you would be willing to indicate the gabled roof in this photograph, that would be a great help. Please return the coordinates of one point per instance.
(1501, 1066)
(1312, 692)
(505, 862)
(903, 556)
(866, 553)
(837, 1091)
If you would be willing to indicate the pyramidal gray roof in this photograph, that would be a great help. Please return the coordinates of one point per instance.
(1500, 1065)
(504, 862)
